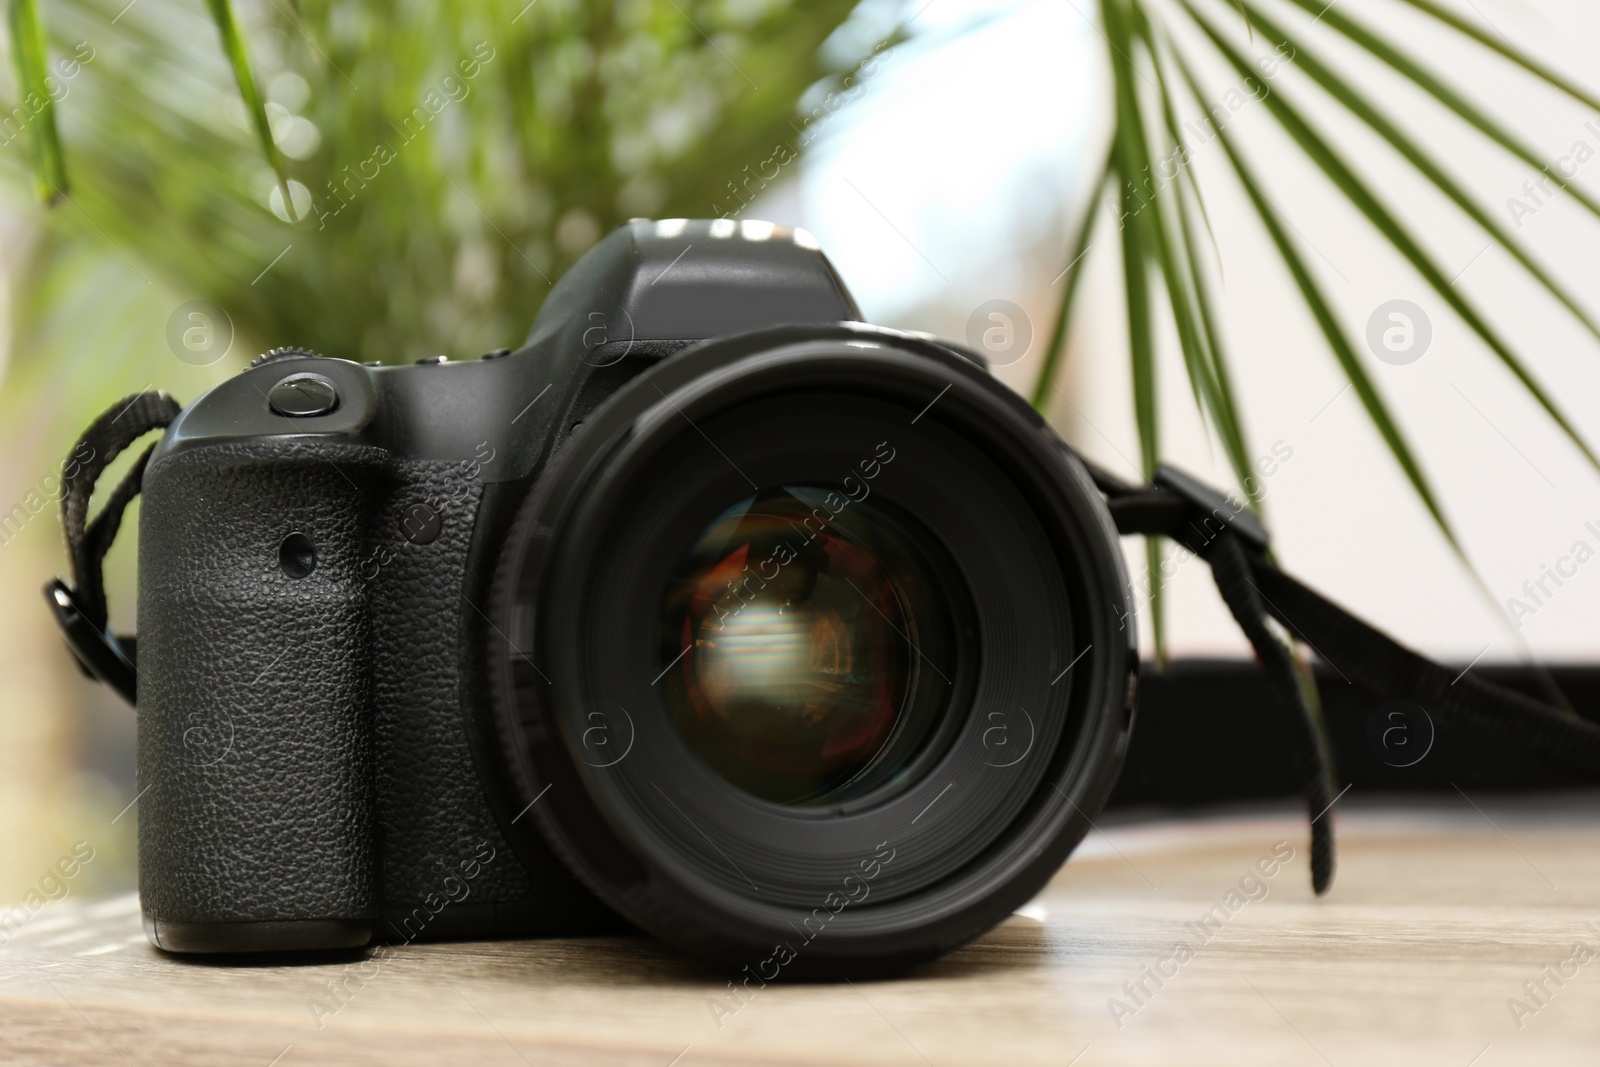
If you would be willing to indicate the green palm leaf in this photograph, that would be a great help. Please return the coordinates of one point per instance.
(1130, 155)
(1359, 194)
(1436, 87)
(1191, 304)
(28, 55)
(1055, 350)
(1363, 108)
(1131, 165)
(1503, 48)
(1327, 322)
(239, 59)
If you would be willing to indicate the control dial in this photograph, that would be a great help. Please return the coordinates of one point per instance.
(282, 353)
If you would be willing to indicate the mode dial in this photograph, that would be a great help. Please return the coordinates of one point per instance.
(282, 353)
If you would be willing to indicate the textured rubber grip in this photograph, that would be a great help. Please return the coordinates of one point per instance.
(255, 747)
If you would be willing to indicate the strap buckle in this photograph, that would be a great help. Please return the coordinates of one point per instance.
(1216, 511)
(100, 655)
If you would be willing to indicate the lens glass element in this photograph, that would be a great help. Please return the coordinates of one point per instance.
(790, 647)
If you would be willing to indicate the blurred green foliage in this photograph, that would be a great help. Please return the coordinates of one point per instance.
(447, 162)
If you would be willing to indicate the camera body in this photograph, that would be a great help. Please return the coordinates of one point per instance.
(312, 596)
(339, 642)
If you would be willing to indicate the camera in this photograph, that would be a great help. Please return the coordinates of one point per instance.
(711, 610)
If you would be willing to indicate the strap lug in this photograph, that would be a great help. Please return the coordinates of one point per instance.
(100, 655)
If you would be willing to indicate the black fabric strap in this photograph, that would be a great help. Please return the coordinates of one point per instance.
(101, 443)
(1255, 589)
(1230, 567)
(1369, 656)
(80, 607)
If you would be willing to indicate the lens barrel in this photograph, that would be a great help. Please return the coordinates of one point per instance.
(812, 646)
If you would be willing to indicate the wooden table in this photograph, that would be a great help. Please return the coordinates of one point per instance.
(1440, 913)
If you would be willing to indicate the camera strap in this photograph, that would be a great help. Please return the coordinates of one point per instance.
(1176, 505)
(80, 607)
(1235, 544)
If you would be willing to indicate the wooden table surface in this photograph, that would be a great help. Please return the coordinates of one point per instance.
(1440, 912)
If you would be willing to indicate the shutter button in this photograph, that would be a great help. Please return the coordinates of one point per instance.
(303, 396)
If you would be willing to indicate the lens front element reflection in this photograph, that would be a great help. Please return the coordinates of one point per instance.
(794, 651)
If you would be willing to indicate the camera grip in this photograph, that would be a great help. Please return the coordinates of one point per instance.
(255, 747)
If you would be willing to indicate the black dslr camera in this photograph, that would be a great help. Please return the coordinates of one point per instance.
(797, 642)
(800, 643)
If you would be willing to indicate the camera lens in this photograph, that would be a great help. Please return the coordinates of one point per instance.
(790, 641)
(865, 620)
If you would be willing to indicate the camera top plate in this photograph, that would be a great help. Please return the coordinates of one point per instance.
(650, 289)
